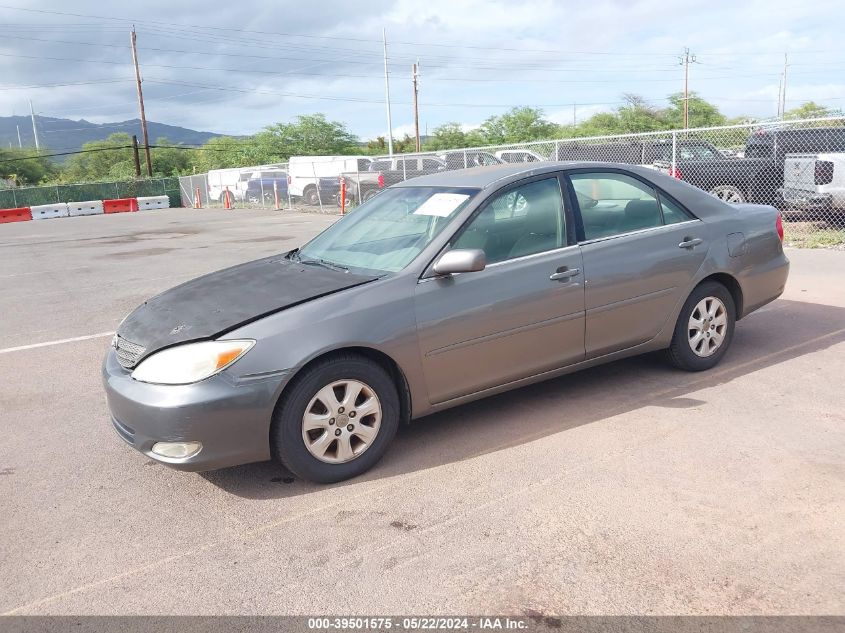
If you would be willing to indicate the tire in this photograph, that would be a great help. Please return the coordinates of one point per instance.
(369, 194)
(306, 400)
(729, 194)
(339, 201)
(692, 353)
(311, 196)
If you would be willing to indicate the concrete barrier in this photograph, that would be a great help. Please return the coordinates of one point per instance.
(120, 205)
(153, 202)
(90, 207)
(47, 211)
(19, 214)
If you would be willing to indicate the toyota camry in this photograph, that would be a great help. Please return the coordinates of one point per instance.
(440, 290)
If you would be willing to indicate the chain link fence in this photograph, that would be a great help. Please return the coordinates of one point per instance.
(797, 166)
(55, 194)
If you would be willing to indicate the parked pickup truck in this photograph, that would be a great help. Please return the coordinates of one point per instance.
(814, 181)
(759, 176)
(363, 185)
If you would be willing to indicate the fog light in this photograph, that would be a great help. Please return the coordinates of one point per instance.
(177, 450)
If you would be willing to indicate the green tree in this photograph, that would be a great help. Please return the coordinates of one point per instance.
(519, 125)
(308, 135)
(24, 166)
(452, 136)
(811, 110)
(98, 158)
(701, 113)
(221, 152)
(169, 159)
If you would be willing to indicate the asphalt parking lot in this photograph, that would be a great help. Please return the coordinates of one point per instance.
(630, 488)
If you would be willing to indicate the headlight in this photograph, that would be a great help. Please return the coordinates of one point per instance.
(189, 363)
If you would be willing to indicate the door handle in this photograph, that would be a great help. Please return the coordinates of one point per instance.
(564, 273)
(690, 242)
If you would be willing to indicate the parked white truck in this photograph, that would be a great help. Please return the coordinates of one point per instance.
(814, 181)
(304, 173)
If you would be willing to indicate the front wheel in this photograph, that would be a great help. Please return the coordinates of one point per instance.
(337, 419)
(705, 328)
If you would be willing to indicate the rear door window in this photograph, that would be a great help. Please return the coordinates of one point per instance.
(612, 204)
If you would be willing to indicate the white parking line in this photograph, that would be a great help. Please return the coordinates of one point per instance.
(59, 342)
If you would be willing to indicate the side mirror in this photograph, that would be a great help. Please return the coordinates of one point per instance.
(469, 260)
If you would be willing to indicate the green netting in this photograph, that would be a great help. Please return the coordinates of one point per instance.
(52, 194)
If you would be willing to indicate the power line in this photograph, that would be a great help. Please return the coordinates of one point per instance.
(229, 29)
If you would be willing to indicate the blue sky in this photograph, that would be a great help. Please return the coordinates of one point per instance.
(234, 67)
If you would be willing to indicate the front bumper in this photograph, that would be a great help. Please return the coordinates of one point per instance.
(229, 416)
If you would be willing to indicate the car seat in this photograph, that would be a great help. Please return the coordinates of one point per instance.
(542, 222)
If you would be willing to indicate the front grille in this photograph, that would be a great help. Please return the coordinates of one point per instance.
(127, 352)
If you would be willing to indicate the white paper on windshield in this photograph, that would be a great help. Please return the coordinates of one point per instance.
(441, 204)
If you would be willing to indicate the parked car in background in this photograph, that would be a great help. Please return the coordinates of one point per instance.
(263, 186)
(328, 188)
(304, 173)
(518, 156)
(433, 294)
(363, 185)
(814, 181)
(462, 159)
(635, 152)
(234, 180)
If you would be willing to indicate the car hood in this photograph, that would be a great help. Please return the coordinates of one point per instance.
(211, 305)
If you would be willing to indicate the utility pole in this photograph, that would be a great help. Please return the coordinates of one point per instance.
(783, 90)
(141, 105)
(20, 145)
(415, 77)
(136, 156)
(574, 121)
(387, 96)
(34, 129)
(686, 60)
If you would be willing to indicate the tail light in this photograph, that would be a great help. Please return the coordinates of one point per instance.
(823, 172)
(779, 227)
(674, 172)
(288, 179)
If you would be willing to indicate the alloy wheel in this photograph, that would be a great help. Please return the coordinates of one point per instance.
(707, 326)
(730, 195)
(341, 421)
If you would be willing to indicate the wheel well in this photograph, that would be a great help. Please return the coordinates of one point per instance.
(381, 359)
(733, 287)
(309, 188)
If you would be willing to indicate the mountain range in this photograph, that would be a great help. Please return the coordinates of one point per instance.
(66, 135)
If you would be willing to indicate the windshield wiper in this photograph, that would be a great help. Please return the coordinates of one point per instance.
(324, 263)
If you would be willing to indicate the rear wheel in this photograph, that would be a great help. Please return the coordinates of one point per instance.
(337, 420)
(705, 327)
(311, 196)
(729, 194)
(369, 194)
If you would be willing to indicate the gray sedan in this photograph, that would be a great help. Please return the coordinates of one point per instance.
(439, 291)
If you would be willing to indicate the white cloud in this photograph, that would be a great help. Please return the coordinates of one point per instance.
(468, 71)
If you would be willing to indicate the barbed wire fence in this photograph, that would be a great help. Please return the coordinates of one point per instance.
(797, 166)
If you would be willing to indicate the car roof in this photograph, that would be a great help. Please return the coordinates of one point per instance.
(692, 197)
(483, 177)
